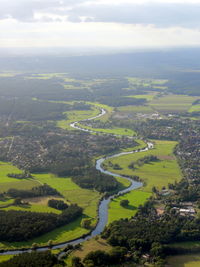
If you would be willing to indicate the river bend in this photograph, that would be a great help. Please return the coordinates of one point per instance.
(104, 203)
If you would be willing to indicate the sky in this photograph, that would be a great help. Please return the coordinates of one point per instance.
(99, 23)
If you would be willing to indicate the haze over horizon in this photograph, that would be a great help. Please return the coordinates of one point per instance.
(97, 26)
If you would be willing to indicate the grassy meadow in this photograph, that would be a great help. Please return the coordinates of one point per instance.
(190, 260)
(8, 182)
(88, 246)
(194, 108)
(76, 115)
(158, 173)
(135, 198)
(117, 131)
(72, 193)
(172, 103)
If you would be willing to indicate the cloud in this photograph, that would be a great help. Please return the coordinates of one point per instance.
(24, 10)
(159, 13)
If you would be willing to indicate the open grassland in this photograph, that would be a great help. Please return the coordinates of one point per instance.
(135, 198)
(6, 202)
(109, 110)
(76, 115)
(158, 173)
(47, 76)
(172, 103)
(148, 97)
(85, 198)
(145, 82)
(194, 108)
(135, 109)
(33, 208)
(37, 204)
(5, 257)
(88, 246)
(190, 260)
(117, 131)
(8, 74)
(7, 182)
(187, 245)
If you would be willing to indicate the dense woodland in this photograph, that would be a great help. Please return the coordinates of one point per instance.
(93, 179)
(43, 190)
(33, 259)
(23, 225)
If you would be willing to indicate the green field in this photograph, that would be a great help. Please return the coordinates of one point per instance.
(145, 82)
(187, 245)
(136, 109)
(7, 182)
(76, 115)
(87, 199)
(116, 211)
(194, 108)
(5, 257)
(109, 110)
(88, 246)
(34, 208)
(190, 260)
(159, 173)
(148, 97)
(46, 76)
(141, 144)
(172, 103)
(117, 131)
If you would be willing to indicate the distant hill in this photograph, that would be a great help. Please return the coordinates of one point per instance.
(147, 63)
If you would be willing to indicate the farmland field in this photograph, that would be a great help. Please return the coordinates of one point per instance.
(190, 260)
(194, 108)
(135, 198)
(7, 182)
(117, 131)
(172, 103)
(159, 173)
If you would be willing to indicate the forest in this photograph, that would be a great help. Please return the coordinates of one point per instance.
(33, 224)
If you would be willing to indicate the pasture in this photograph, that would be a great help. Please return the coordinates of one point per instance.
(72, 193)
(76, 115)
(159, 173)
(194, 108)
(172, 103)
(88, 246)
(145, 82)
(117, 131)
(135, 198)
(190, 260)
(135, 109)
(8, 182)
(148, 97)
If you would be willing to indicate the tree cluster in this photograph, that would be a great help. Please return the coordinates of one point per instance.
(18, 226)
(57, 204)
(38, 191)
(93, 179)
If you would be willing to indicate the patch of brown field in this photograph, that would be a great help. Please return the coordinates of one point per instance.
(92, 245)
(167, 157)
(41, 200)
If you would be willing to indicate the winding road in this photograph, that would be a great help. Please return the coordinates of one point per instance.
(104, 204)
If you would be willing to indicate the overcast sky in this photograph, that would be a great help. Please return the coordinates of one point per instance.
(99, 23)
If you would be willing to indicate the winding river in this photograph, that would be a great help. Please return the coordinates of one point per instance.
(104, 204)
